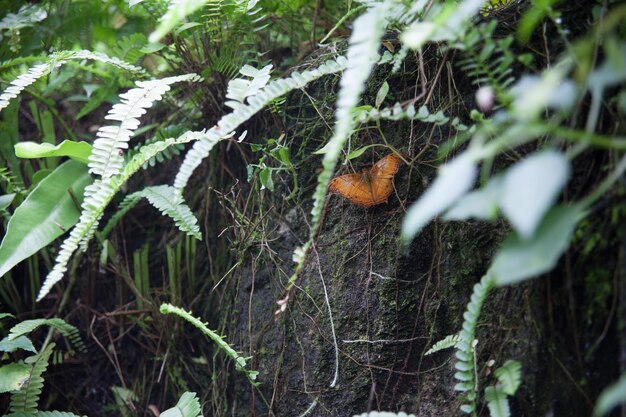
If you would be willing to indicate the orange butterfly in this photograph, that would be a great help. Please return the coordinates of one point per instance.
(370, 187)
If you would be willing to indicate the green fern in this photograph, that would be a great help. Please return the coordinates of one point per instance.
(240, 361)
(488, 60)
(397, 112)
(127, 204)
(466, 355)
(98, 197)
(233, 120)
(27, 326)
(167, 200)
(43, 414)
(445, 343)
(53, 61)
(497, 402)
(25, 400)
(510, 376)
(187, 406)
(105, 159)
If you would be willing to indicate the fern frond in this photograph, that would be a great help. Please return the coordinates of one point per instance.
(510, 376)
(127, 204)
(105, 159)
(233, 120)
(25, 327)
(240, 361)
(168, 201)
(465, 346)
(25, 400)
(445, 343)
(55, 60)
(97, 197)
(187, 406)
(497, 402)
(43, 414)
(239, 89)
(411, 113)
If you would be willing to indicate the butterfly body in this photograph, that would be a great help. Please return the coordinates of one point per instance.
(370, 187)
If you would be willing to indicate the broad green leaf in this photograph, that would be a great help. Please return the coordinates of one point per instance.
(520, 259)
(21, 342)
(39, 176)
(78, 151)
(13, 376)
(497, 402)
(480, 204)
(510, 376)
(455, 179)
(48, 212)
(530, 187)
(611, 396)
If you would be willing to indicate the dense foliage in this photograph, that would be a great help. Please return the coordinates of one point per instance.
(105, 103)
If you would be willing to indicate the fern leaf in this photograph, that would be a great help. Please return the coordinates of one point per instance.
(55, 60)
(240, 361)
(127, 204)
(43, 414)
(510, 376)
(239, 88)
(167, 200)
(69, 331)
(497, 402)
(106, 159)
(97, 197)
(25, 400)
(465, 346)
(445, 343)
(187, 406)
(233, 120)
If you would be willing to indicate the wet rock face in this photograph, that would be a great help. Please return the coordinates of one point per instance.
(388, 306)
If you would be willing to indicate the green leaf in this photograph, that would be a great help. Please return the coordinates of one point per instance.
(265, 176)
(6, 200)
(510, 376)
(187, 406)
(521, 259)
(13, 376)
(176, 12)
(497, 402)
(47, 213)
(78, 151)
(611, 396)
(382, 94)
(530, 187)
(21, 342)
(358, 152)
(455, 179)
(480, 204)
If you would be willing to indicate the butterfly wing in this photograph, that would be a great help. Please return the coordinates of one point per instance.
(354, 187)
(386, 167)
(381, 175)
